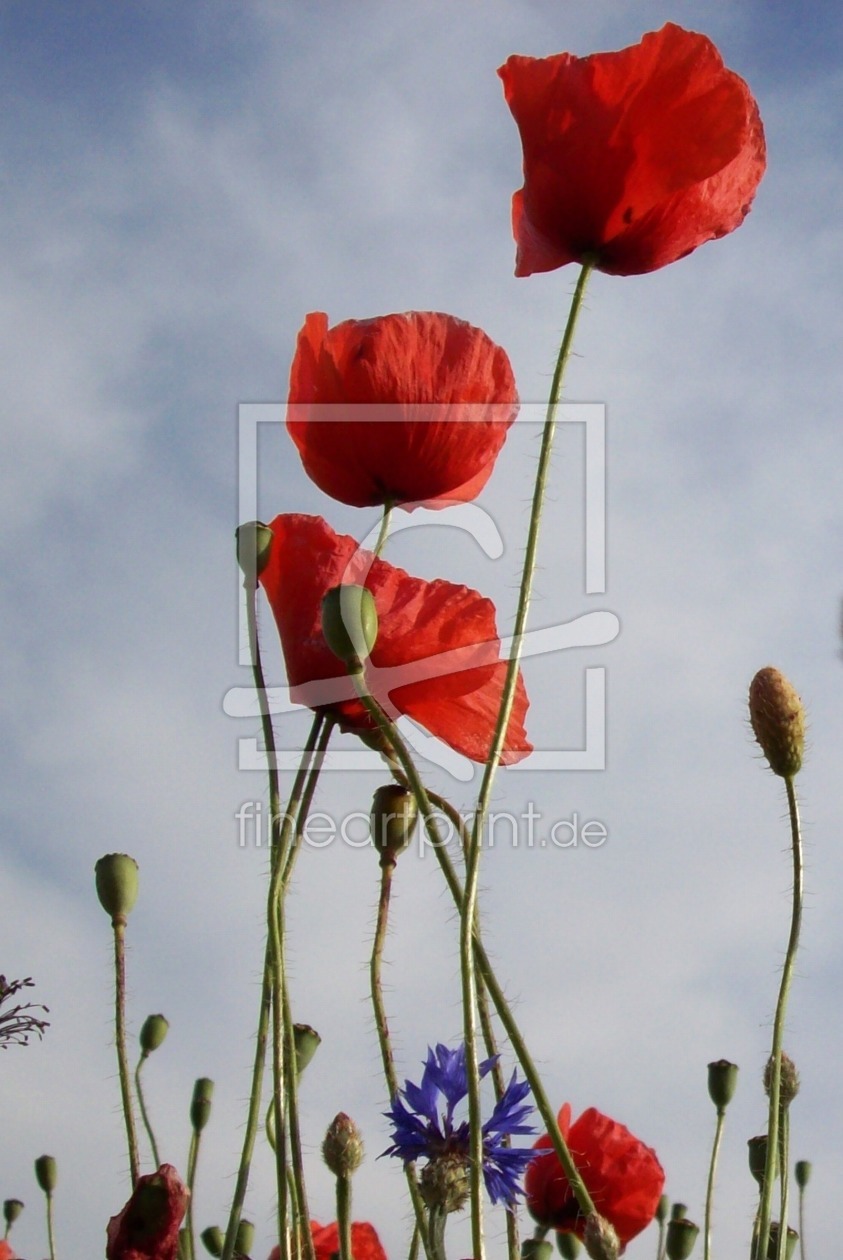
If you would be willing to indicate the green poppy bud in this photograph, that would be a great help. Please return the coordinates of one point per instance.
(200, 1106)
(601, 1241)
(213, 1240)
(677, 1212)
(117, 885)
(681, 1236)
(393, 819)
(757, 1147)
(778, 721)
(46, 1173)
(12, 1209)
(244, 1238)
(254, 542)
(152, 1033)
(722, 1082)
(568, 1245)
(803, 1173)
(350, 624)
(536, 1249)
(307, 1042)
(773, 1242)
(342, 1149)
(663, 1209)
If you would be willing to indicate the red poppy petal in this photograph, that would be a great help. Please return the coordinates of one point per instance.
(365, 1244)
(148, 1226)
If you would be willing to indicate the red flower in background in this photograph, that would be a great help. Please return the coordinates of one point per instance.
(622, 1175)
(6, 1252)
(633, 158)
(437, 655)
(365, 1244)
(148, 1226)
(421, 406)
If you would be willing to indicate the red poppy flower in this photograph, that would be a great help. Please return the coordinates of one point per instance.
(148, 1226)
(437, 655)
(365, 1244)
(622, 1175)
(631, 158)
(404, 409)
(6, 1252)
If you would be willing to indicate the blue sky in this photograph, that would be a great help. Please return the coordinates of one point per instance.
(180, 188)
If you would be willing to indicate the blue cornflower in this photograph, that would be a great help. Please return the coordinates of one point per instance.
(422, 1131)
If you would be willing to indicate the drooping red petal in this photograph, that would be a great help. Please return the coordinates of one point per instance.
(437, 655)
(365, 1244)
(406, 409)
(622, 1175)
(6, 1252)
(148, 1226)
(633, 158)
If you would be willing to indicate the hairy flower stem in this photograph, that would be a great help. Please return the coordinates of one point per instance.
(192, 1156)
(712, 1169)
(469, 909)
(344, 1217)
(51, 1234)
(119, 925)
(485, 969)
(764, 1211)
(784, 1176)
(156, 1159)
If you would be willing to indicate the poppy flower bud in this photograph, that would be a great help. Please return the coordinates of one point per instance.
(342, 1149)
(307, 1042)
(789, 1083)
(254, 541)
(393, 819)
(152, 1033)
(663, 1210)
(46, 1173)
(778, 721)
(802, 1171)
(12, 1209)
(244, 1238)
(117, 885)
(536, 1249)
(200, 1106)
(757, 1147)
(722, 1082)
(568, 1245)
(444, 1183)
(681, 1236)
(773, 1242)
(350, 624)
(213, 1240)
(600, 1239)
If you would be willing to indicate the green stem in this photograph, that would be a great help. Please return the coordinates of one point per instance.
(469, 911)
(383, 533)
(192, 1156)
(764, 1211)
(51, 1237)
(119, 925)
(784, 1166)
(802, 1252)
(712, 1169)
(436, 1234)
(144, 1114)
(344, 1216)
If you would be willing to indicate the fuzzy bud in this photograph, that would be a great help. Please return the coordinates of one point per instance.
(12, 1209)
(46, 1173)
(444, 1183)
(153, 1032)
(393, 820)
(200, 1106)
(342, 1149)
(803, 1173)
(778, 721)
(350, 624)
(601, 1241)
(568, 1245)
(307, 1042)
(681, 1236)
(722, 1082)
(117, 885)
(213, 1240)
(789, 1082)
(254, 542)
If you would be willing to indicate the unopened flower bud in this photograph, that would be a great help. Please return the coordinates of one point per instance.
(757, 1147)
(803, 1173)
(200, 1106)
(117, 885)
(444, 1183)
(46, 1173)
(213, 1240)
(568, 1246)
(601, 1241)
(393, 819)
(681, 1236)
(342, 1149)
(536, 1249)
(350, 624)
(663, 1209)
(12, 1209)
(244, 1238)
(773, 1242)
(254, 542)
(789, 1081)
(722, 1082)
(778, 721)
(152, 1033)
(307, 1042)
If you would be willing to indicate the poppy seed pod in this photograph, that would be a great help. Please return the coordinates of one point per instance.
(200, 1106)
(342, 1149)
(803, 1173)
(350, 624)
(244, 1238)
(213, 1240)
(722, 1082)
(681, 1236)
(153, 1032)
(778, 721)
(568, 1245)
(536, 1249)
(253, 541)
(307, 1041)
(46, 1173)
(117, 885)
(12, 1209)
(757, 1148)
(773, 1243)
(600, 1239)
(393, 820)
(677, 1212)
(663, 1210)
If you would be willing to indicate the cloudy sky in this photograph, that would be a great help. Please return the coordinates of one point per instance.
(181, 184)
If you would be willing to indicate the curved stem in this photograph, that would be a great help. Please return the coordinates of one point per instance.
(383, 534)
(764, 1210)
(712, 1169)
(119, 925)
(144, 1114)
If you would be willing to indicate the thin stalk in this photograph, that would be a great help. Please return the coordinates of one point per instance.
(468, 913)
(784, 1147)
(51, 1234)
(383, 533)
(764, 1211)
(291, 1097)
(119, 925)
(802, 1252)
(144, 1114)
(712, 1169)
(344, 1217)
(192, 1156)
